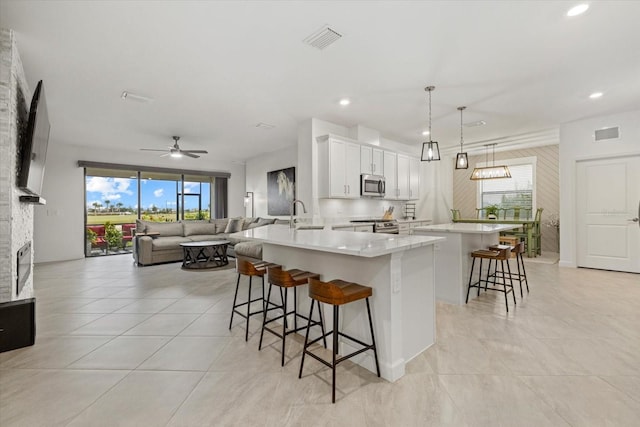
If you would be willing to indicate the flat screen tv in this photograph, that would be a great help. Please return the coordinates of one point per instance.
(34, 145)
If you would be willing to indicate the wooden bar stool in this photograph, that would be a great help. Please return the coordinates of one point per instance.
(285, 280)
(337, 292)
(501, 255)
(251, 269)
(517, 252)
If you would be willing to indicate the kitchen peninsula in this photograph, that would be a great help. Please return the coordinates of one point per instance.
(453, 256)
(400, 269)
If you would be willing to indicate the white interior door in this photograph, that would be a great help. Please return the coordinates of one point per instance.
(608, 228)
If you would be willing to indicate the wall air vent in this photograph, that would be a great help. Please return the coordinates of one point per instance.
(323, 38)
(607, 133)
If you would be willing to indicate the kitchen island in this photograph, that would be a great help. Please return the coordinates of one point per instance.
(453, 256)
(400, 269)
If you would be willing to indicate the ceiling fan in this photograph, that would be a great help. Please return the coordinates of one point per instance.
(176, 151)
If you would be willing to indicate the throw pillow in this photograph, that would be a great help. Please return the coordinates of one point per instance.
(234, 225)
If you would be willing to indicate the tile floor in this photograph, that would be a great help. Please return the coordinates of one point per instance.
(120, 345)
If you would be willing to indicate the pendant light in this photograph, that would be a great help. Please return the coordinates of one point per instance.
(430, 150)
(462, 161)
(490, 172)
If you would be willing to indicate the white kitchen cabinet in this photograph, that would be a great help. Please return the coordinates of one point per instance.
(390, 175)
(371, 160)
(414, 178)
(403, 177)
(338, 178)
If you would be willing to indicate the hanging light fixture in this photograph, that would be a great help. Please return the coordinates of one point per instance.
(462, 161)
(490, 172)
(430, 150)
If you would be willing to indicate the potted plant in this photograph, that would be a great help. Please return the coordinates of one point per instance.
(492, 211)
(112, 235)
(91, 237)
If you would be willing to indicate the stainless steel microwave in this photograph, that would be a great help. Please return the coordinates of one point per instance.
(372, 185)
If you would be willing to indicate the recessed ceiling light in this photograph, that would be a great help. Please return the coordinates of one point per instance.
(345, 101)
(578, 10)
(425, 132)
(596, 95)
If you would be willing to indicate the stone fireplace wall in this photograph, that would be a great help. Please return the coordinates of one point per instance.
(16, 218)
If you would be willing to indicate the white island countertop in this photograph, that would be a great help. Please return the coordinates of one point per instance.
(462, 227)
(367, 245)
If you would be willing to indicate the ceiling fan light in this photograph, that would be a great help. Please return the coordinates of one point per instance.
(462, 161)
(176, 154)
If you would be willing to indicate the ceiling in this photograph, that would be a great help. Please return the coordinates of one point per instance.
(216, 69)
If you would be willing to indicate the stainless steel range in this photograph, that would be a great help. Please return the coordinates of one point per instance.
(389, 226)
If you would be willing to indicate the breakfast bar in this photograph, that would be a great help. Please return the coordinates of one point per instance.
(400, 269)
(453, 256)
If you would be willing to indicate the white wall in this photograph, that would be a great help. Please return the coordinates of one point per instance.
(59, 226)
(577, 143)
(256, 179)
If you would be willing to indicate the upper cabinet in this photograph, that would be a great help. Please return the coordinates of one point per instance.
(390, 175)
(337, 178)
(403, 177)
(414, 178)
(371, 160)
(339, 175)
(408, 177)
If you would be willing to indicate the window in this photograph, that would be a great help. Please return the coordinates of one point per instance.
(516, 192)
(117, 195)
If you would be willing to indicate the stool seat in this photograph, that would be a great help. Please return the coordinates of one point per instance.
(290, 278)
(338, 292)
(501, 252)
(253, 268)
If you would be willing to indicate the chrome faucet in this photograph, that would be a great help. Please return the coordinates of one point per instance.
(293, 203)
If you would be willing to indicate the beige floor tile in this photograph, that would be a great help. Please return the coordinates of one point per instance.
(627, 384)
(212, 325)
(147, 305)
(51, 352)
(111, 324)
(104, 305)
(163, 324)
(238, 398)
(187, 354)
(50, 397)
(495, 400)
(190, 305)
(463, 355)
(121, 353)
(416, 400)
(585, 400)
(63, 323)
(141, 399)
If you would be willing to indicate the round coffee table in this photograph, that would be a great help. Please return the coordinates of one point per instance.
(209, 254)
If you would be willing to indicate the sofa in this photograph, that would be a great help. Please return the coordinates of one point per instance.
(163, 242)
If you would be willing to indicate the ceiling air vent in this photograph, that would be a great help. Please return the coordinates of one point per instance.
(607, 133)
(265, 126)
(323, 38)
